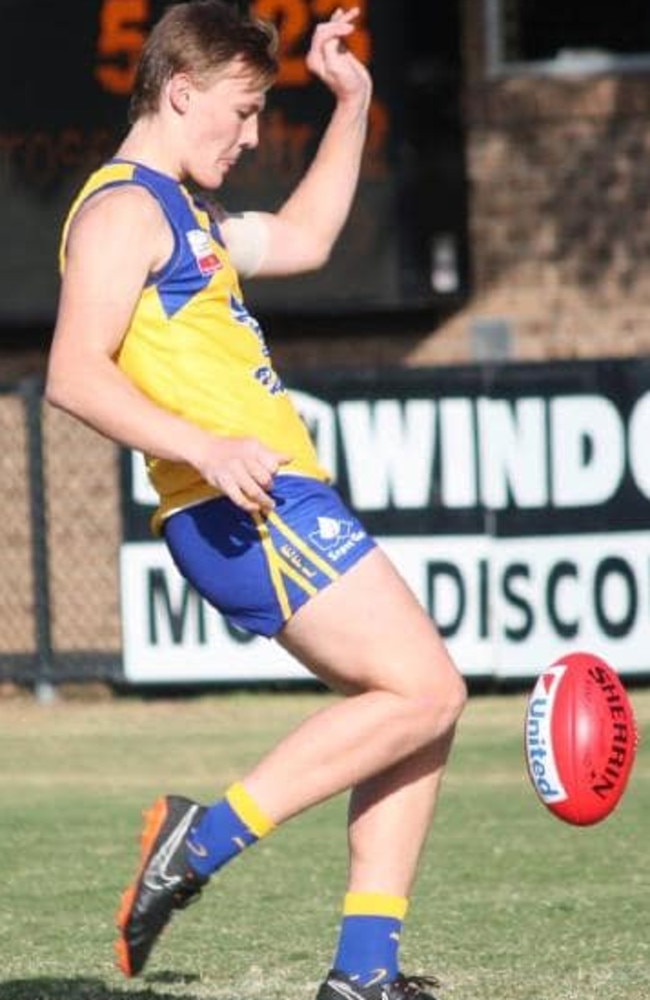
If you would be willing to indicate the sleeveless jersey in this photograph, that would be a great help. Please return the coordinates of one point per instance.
(193, 347)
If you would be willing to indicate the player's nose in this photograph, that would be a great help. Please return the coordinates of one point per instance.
(250, 133)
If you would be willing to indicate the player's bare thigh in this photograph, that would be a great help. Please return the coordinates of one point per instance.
(366, 631)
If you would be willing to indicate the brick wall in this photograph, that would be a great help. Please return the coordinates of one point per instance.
(559, 215)
(559, 222)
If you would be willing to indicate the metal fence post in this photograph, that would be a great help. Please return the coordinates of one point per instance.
(33, 396)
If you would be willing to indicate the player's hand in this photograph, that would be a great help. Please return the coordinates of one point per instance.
(330, 59)
(243, 469)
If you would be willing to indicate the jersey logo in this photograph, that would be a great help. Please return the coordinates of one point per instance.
(269, 378)
(204, 255)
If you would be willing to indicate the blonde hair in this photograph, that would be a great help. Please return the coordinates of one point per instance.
(200, 38)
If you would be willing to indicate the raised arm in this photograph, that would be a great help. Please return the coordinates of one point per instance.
(301, 234)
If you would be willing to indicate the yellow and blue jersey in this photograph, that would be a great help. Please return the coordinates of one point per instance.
(193, 347)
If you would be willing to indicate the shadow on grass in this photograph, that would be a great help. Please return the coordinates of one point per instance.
(50, 988)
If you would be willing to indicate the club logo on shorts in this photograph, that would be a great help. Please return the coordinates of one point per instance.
(335, 537)
(205, 257)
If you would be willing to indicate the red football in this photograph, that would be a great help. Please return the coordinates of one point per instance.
(580, 738)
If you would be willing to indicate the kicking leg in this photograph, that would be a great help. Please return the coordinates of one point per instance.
(367, 636)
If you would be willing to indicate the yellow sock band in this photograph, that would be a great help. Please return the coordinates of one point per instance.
(374, 904)
(241, 802)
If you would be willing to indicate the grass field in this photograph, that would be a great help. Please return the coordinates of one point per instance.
(511, 904)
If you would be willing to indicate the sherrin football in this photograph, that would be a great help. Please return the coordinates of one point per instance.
(580, 738)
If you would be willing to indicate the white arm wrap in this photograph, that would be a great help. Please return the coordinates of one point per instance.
(247, 238)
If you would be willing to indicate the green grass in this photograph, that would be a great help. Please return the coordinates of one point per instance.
(510, 903)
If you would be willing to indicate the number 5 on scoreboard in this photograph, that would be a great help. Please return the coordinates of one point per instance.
(123, 25)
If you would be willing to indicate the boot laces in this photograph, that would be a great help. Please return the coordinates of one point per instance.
(186, 894)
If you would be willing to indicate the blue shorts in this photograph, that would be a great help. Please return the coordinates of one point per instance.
(257, 570)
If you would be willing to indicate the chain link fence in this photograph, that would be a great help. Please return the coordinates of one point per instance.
(59, 537)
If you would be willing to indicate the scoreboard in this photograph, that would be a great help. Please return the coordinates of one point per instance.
(67, 68)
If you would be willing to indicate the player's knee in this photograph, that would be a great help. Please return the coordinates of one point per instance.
(456, 698)
(439, 707)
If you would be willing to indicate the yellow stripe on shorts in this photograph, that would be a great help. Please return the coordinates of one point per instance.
(274, 568)
(279, 566)
(302, 547)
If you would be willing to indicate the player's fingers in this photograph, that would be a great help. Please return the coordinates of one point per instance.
(341, 14)
(259, 503)
(328, 41)
(253, 491)
(242, 489)
(326, 31)
(262, 471)
(272, 460)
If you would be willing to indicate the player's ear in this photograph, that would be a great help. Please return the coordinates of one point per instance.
(179, 88)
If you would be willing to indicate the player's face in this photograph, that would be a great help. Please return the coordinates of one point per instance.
(221, 122)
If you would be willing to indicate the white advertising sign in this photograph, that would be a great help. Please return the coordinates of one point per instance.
(506, 609)
(519, 516)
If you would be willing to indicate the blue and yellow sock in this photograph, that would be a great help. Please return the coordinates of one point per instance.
(225, 830)
(368, 948)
